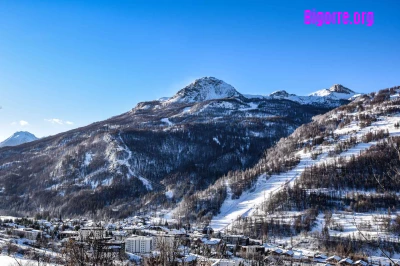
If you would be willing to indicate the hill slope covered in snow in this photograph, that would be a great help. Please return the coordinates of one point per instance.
(345, 137)
(153, 155)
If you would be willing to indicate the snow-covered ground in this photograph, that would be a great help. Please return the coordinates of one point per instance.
(169, 194)
(250, 200)
(88, 158)
(9, 261)
(166, 120)
(370, 226)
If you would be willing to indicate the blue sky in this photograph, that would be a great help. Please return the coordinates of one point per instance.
(85, 61)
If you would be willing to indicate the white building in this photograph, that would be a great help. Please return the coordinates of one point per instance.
(27, 233)
(92, 233)
(139, 244)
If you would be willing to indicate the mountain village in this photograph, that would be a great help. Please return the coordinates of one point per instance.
(145, 240)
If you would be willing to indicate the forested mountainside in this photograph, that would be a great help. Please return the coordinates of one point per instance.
(347, 159)
(153, 155)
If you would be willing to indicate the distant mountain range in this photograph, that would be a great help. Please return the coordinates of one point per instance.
(156, 154)
(331, 96)
(18, 138)
(210, 88)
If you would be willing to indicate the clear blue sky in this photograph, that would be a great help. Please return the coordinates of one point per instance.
(85, 61)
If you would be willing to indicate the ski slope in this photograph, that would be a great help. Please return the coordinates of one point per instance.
(244, 206)
(265, 187)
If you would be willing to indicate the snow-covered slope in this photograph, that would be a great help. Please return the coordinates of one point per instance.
(265, 187)
(18, 138)
(180, 144)
(207, 88)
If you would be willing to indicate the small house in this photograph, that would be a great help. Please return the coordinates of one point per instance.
(360, 262)
(333, 259)
(346, 261)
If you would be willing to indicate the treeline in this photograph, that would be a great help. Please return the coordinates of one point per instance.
(374, 169)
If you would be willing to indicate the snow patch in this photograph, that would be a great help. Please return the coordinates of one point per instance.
(146, 183)
(169, 194)
(166, 120)
(88, 158)
(216, 140)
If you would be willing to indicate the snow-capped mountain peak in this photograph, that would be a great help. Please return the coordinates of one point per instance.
(18, 138)
(206, 88)
(340, 89)
(337, 91)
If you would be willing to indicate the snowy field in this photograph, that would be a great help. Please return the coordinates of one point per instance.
(369, 225)
(10, 261)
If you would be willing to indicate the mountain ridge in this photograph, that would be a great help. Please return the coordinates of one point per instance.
(210, 88)
(131, 159)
